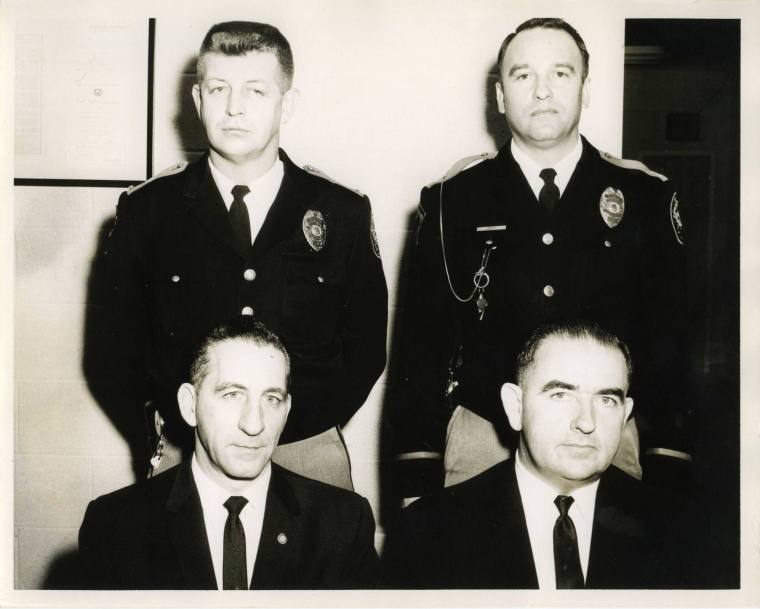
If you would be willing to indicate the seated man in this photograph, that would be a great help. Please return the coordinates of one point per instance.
(559, 515)
(229, 518)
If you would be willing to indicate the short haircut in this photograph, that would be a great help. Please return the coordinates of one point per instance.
(243, 328)
(241, 37)
(580, 330)
(549, 23)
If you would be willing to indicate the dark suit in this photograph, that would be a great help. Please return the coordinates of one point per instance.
(152, 535)
(545, 267)
(474, 535)
(175, 273)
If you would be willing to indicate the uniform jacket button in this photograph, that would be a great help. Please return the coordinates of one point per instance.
(548, 291)
(249, 274)
(247, 311)
(548, 238)
(175, 278)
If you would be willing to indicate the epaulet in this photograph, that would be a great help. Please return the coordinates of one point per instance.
(631, 164)
(176, 168)
(316, 172)
(462, 164)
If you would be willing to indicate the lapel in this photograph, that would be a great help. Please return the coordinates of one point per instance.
(618, 532)
(287, 211)
(187, 532)
(511, 557)
(205, 202)
(282, 539)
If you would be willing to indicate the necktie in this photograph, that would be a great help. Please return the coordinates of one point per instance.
(567, 562)
(241, 225)
(549, 194)
(234, 572)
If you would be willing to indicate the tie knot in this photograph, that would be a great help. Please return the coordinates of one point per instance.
(238, 192)
(234, 504)
(547, 175)
(563, 503)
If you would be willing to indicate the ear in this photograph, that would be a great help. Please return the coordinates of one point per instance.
(289, 103)
(511, 398)
(187, 399)
(500, 98)
(628, 408)
(197, 98)
(585, 92)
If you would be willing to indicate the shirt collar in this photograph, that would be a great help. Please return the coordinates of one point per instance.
(531, 169)
(263, 188)
(531, 485)
(212, 494)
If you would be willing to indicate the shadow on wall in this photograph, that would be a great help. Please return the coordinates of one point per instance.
(391, 415)
(187, 125)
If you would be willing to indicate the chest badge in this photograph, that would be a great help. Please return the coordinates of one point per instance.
(314, 229)
(612, 206)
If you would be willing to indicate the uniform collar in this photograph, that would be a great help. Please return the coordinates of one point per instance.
(531, 169)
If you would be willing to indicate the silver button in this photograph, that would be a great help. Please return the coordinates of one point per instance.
(548, 291)
(548, 238)
(607, 244)
(247, 311)
(175, 278)
(282, 539)
(320, 279)
(249, 274)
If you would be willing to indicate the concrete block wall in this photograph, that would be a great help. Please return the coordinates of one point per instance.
(390, 98)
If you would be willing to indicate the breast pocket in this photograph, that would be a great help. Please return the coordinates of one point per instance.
(314, 297)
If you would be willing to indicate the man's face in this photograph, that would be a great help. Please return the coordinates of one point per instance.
(570, 408)
(241, 104)
(541, 90)
(238, 411)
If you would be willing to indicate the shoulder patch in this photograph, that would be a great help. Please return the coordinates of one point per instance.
(631, 164)
(463, 164)
(316, 172)
(176, 168)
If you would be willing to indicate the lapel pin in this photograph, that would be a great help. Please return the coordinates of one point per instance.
(282, 539)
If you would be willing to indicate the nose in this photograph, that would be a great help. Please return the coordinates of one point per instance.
(584, 420)
(251, 422)
(235, 104)
(543, 89)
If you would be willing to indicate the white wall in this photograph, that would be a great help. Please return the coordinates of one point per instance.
(392, 94)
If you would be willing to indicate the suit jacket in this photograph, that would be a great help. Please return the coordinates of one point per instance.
(624, 270)
(152, 535)
(474, 535)
(174, 272)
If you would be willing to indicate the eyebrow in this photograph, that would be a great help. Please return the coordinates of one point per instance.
(282, 393)
(519, 66)
(225, 386)
(569, 66)
(555, 384)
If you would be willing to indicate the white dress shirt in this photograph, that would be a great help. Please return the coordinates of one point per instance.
(215, 515)
(541, 514)
(263, 192)
(531, 169)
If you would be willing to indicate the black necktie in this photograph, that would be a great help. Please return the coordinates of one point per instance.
(241, 225)
(549, 194)
(234, 572)
(567, 562)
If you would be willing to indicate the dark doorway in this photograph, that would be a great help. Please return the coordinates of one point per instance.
(681, 118)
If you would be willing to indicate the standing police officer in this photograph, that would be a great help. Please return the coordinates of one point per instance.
(548, 229)
(244, 230)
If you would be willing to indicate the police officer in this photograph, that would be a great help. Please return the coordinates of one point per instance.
(550, 228)
(243, 230)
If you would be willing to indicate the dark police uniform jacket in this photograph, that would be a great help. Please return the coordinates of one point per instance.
(610, 252)
(152, 536)
(175, 273)
(474, 535)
